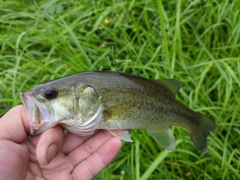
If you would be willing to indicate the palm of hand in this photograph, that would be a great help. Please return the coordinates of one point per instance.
(53, 154)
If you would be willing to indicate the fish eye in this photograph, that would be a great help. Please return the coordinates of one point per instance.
(50, 93)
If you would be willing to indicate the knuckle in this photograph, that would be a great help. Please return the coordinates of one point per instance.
(88, 148)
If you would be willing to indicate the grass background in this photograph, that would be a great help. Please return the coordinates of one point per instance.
(196, 42)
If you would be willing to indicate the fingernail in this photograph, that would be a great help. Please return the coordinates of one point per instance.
(51, 153)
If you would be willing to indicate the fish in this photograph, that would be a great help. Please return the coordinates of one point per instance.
(115, 101)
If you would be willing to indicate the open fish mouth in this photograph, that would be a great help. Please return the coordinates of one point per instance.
(31, 109)
(36, 112)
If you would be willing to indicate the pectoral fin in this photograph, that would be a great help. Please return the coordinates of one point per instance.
(121, 134)
(165, 138)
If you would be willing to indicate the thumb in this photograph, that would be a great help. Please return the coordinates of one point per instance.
(49, 145)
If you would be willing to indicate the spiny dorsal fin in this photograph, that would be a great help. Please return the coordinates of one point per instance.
(172, 85)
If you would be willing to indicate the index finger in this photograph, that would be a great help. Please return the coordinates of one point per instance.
(15, 125)
(95, 163)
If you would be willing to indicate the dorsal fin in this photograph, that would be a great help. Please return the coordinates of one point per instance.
(172, 85)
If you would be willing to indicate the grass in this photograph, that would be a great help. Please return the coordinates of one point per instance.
(196, 42)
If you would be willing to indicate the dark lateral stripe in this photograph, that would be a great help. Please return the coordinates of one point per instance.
(191, 119)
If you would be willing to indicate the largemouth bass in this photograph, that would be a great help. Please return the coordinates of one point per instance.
(115, 101)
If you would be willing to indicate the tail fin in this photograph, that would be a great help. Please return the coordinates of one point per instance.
(199, 136)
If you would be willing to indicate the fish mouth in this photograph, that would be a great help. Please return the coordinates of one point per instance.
(31, 110)
(37, 113)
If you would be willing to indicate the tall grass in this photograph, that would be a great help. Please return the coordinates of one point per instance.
(196, 42)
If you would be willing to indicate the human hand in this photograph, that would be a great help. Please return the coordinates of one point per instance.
(53, 154)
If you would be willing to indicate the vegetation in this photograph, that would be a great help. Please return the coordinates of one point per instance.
(196, 42)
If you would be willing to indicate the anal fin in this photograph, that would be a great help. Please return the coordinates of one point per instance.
(165, 138)
(121, 134)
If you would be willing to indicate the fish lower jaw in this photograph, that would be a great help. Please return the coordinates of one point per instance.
(38, 127)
